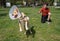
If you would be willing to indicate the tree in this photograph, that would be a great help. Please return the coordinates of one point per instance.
(49, 2)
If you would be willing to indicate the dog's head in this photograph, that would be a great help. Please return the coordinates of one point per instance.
(15, 13)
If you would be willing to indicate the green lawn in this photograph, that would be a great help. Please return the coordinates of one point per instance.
(9, 29)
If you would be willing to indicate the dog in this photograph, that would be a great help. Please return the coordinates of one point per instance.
(23, 22)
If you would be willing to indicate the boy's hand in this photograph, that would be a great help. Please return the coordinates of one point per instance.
(39, 12)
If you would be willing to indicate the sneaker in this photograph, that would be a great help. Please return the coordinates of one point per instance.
(48, 22)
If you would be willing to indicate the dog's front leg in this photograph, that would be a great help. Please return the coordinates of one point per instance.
(20, 25)
(26, 25)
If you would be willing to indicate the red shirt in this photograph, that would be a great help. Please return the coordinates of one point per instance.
(44, 11)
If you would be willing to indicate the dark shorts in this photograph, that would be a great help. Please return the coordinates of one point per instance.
(44, 19)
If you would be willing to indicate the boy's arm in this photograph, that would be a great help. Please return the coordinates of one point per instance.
(49, 15)
(40, 11)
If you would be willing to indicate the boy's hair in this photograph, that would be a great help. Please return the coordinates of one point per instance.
(45, 4)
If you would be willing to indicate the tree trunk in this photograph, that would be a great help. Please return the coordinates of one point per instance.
(3, 3)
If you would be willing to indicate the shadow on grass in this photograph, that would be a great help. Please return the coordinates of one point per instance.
(31, 32)
(2, 10)
(3, 14)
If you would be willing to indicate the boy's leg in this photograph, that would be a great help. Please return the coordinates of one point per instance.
(46, 17)
(43, 19)
(50, 20)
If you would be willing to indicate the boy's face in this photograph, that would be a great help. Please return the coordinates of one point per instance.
(45, 6)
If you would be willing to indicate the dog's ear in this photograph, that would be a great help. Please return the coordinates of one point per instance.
(22, 14)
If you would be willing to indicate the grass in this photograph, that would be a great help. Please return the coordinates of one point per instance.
(9, 29)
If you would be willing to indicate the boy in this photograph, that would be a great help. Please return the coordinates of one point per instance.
(45, 14)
